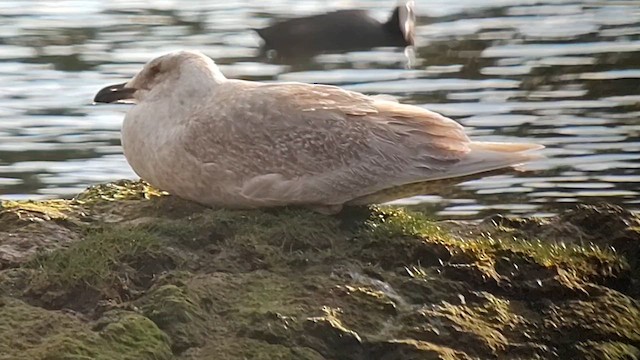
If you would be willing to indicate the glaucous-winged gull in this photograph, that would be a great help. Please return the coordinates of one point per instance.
(244, 144)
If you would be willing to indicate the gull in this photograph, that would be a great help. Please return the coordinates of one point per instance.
(243, 144)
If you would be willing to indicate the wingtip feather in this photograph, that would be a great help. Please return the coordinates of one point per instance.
(505, 147)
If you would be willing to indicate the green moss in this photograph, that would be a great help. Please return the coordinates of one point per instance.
(292, 284)
(169, 304)
(136, 336)
(94, 262)
(295, 230)
(254, 349)
(59, 209)
(465, 323)
(588, 260)
(176, 312)
(388, 223)
(409, 349)
(267, 294)
(255, 239)
(289, 229)
(370, 297)
(363, 309)
(609, 315)
(609, 350)
(28, 332)
(486, 322)
(331, 320)
(584, 260)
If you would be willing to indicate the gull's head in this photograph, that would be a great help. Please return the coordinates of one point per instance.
(180, 73)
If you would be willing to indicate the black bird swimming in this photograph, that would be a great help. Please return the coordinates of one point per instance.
(339, 31)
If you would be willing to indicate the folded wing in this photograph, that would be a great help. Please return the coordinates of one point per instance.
(315, 144)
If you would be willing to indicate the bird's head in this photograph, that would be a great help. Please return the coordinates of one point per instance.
(184, 73)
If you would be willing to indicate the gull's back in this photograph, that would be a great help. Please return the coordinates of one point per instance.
(295, 143)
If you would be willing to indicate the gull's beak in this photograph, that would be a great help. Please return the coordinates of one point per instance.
(114, 93)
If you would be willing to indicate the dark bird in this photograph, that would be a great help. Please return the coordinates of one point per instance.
(339, 31)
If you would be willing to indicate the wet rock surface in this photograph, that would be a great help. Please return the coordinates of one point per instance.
(125, 272)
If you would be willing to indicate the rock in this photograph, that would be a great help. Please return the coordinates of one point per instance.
(124, 271)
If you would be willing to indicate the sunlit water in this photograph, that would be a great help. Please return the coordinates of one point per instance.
(562, 73)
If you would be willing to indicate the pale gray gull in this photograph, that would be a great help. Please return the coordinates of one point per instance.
(243, 144)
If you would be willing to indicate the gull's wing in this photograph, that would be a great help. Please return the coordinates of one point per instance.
(315, 144)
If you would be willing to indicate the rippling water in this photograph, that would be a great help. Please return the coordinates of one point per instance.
(562, 73)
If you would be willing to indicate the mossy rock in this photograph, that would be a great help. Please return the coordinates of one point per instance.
(125, 271)
(28, 332)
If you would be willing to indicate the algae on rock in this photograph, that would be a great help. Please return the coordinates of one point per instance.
(28, 332)
(124, 271)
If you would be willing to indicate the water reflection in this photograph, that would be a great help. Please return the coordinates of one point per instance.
(562, 74)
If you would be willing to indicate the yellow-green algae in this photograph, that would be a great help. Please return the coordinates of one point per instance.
(485, 248)
(95, 260)
(28, 332)
(39, 210)
(121, 190)
(60, 209)
(156, 277)
(176, 312)
(607, 350)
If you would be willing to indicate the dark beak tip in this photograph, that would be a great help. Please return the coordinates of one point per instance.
(113, 93)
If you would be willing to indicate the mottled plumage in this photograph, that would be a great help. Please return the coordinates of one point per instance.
(245, 144)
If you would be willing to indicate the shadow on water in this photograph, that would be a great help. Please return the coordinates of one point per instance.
(564, 75)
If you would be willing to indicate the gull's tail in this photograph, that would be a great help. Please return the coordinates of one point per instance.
(485, 158)
(488, 156)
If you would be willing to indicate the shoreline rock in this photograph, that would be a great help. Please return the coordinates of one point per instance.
(125, 272)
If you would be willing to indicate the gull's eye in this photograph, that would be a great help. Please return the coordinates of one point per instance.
(154, 70)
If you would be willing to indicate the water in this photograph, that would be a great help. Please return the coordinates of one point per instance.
(562, 73)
